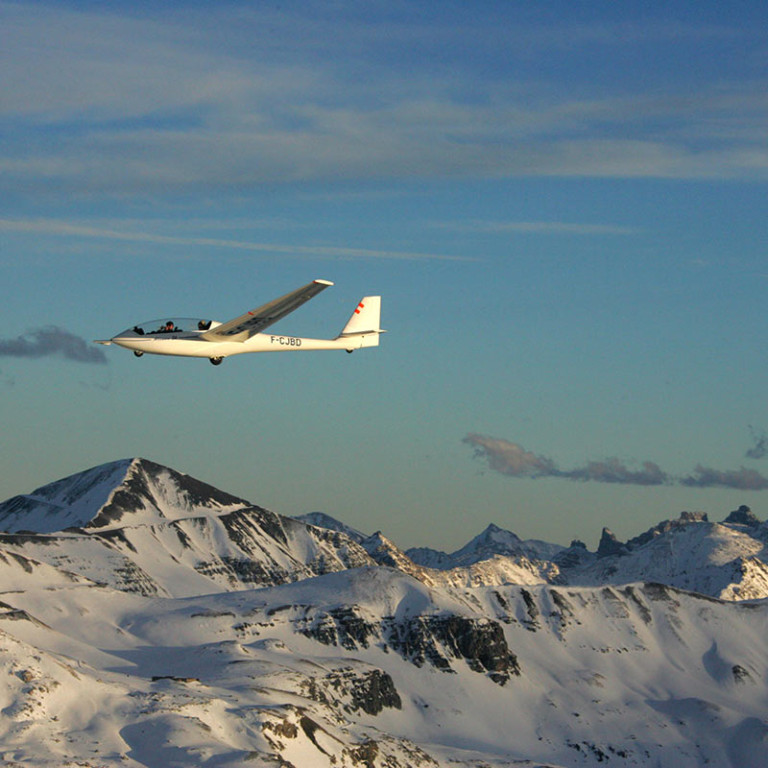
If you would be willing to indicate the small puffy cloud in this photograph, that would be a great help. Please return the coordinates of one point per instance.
(50, 341)
(510, 458)
(741, 479)
(614, 471)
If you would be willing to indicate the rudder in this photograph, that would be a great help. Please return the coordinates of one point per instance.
(366, 318)
(365, 323)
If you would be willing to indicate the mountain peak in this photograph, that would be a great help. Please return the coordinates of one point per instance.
(124, 492)
(610, 545)
(69, 502)
(322, 520)
(743, 516)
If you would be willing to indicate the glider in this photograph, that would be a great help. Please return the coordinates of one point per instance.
(193, 337)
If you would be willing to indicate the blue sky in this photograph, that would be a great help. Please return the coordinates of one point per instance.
(563, 207)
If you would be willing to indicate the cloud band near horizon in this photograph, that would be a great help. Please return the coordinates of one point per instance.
(511, 459)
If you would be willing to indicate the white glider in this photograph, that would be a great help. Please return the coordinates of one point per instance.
(193, 337)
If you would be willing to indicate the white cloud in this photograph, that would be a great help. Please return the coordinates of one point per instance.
(539, 228)
(102, 102)
(67, 229)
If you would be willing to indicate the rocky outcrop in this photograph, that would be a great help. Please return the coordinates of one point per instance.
(610, 545)
(743, 516)
(422, 640)
(370, 691)
(665, 526)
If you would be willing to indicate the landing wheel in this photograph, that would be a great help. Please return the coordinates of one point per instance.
(137, 353)
(349, 351)
(216, 360)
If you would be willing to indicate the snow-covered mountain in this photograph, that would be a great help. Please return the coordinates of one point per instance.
(130, 492)
(491, 542)
(726, 560)
(138, 526)
(149, 620)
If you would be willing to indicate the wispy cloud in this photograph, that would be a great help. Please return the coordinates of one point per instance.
(51, 341)
(759, 448)
(513, 460)
(538, 228)
(66, 229)
(99, 101)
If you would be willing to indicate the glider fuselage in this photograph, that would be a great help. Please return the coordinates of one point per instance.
(189, 344)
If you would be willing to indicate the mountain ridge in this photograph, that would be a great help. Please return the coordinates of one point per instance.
(135, 506)
(191, 627)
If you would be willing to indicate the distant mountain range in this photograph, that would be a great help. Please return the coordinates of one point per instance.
(149, 619)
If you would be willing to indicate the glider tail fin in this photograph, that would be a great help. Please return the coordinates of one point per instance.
(364, 327)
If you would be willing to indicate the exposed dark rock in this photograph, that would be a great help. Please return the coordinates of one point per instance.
(116, 536)
(243, 571)
(741, 675)
(365, 754)
(576, 554)
(433, 639)
(241, 523)
(136, 490)
(530, 606)
(323, 521)
(659, 592)
(428, 557)
(130, 578)
(610, 545)
(341, 626)
(743, 516)
(175, 679)
(642, 608)
(29, 537)
(371, 692)
(686, 518)
(421, 640)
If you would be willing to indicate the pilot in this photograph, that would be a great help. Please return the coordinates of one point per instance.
(169, 327)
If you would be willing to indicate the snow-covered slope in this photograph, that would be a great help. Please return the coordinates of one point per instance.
(158, 532)
(247, 547)
(369, 667)
(719, 559)
(147, 619)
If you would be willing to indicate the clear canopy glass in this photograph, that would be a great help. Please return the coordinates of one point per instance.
(170, 325)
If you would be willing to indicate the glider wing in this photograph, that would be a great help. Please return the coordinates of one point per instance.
(255, 321)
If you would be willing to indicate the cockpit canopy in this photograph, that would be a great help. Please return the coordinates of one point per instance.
(185, 325)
